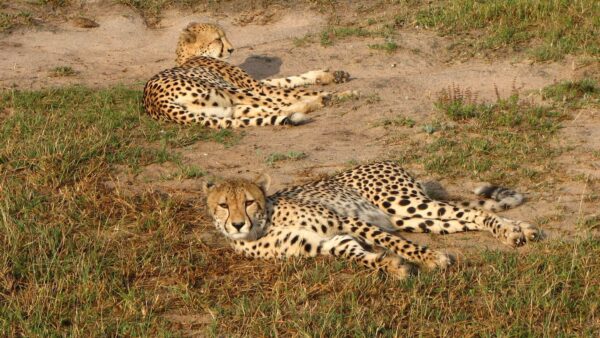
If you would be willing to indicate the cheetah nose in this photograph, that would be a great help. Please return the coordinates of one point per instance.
(238, 225)
(230, 50)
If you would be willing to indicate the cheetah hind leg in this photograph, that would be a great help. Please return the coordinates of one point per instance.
(238, 116)
(248, 111)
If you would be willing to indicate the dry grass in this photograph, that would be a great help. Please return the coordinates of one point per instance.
(81, 259)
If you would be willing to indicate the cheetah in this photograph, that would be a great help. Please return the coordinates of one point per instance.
(206, 90)
(356, 215)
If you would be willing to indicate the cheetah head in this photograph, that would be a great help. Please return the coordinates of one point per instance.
(202, 39)
(237, 207)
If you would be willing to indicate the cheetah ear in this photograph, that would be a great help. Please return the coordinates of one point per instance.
(207, 186)
(188, 36)
(263, 181)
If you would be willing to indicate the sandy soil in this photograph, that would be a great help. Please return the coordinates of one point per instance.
(123, 50)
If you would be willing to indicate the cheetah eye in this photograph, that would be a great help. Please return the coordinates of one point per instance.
(249, 203)
(223, 205)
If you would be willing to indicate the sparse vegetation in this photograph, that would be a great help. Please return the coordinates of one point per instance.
(507, 141)
(388, 46)
(9, 21)
(289, 156)
(303, 41)
(590, 222)
(331, 34)
(372, 98)
(398, 121)
(63, 71)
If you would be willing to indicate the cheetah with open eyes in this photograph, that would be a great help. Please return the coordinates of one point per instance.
(352, 213)
(205, 89)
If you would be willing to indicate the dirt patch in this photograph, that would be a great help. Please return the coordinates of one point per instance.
(122, 49)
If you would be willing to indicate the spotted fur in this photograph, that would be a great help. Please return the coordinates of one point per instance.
(206, 90)
(348, 215)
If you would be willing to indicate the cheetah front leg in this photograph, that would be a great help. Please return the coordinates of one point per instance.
(400, 246)
(313, 77)
(348, 247)
(290, 242)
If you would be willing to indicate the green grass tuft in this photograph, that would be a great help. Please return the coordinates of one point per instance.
(574, 94)
(397, 121)
(389, 46)
(331, 34)
(63, 71)
(10, 21)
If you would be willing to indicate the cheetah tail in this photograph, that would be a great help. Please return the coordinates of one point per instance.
(496, 198)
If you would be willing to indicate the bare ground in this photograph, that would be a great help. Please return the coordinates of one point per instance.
(124, 50)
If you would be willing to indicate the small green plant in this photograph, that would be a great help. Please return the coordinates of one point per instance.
(55, 3)
(388, 46)
(289, 156)
(372, 98)
(192, 171)
(63, 71)
(398, 121)
(326, 39)
(303, 41)
(329, 35)
(345, 98)
(457, 103)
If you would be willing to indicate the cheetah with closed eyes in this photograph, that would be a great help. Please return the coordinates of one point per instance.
(206, 90)
(352, 214)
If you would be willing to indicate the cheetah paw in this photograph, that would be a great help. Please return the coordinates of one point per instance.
(347, 94)
(340, 76)
(326, 77)
(520, 233)
(438, 260)
(396, 267)
(296, 119)
(330, 99)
